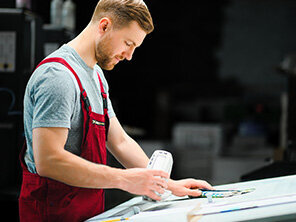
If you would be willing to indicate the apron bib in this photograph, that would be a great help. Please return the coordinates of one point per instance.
(44, 199)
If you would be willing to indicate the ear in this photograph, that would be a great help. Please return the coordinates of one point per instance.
(104, 25)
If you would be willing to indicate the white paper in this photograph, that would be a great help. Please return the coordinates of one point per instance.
(216, 208)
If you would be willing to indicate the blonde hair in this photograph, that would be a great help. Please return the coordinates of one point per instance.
(122, 12)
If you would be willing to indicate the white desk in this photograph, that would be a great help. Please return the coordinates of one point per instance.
(177, 210)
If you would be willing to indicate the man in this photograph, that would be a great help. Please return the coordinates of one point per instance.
(68, 117)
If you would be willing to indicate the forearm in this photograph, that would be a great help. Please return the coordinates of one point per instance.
(129, 153)
(124, 148)
(54, 162)
(73, 170)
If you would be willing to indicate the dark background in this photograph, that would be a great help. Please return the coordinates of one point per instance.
(199, 50)
(206, 62)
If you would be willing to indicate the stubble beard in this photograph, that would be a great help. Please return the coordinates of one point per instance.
(103, 55)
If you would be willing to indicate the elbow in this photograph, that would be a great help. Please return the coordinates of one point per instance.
(42, 169)
(47, 166)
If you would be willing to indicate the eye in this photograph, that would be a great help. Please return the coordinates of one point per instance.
(128, 44)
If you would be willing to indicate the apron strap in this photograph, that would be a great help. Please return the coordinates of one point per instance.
(104, 95)
(83, 92)
(65, 63)
(105, 106)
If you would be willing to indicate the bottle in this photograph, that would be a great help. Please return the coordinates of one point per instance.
(68, 15)
(23, 4)
(56, 12)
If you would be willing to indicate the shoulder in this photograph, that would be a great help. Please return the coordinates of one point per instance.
(52, 80)
(55, 74)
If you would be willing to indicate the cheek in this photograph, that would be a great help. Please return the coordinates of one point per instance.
(116, 51)
(117, 47)
(113, 50)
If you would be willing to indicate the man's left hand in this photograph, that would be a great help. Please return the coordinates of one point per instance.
(188, 187)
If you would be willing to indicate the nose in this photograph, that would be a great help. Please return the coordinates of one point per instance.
(129, 53)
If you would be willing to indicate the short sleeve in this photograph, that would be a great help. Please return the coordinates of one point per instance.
(111, 112)
(53, 97)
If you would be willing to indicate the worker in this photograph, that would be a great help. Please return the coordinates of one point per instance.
(69, 121)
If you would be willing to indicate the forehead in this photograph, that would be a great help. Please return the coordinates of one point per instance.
(132, 32)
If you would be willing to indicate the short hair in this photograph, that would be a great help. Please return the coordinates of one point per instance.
(122, 12)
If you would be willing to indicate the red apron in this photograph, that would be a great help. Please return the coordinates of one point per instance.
(44, 199)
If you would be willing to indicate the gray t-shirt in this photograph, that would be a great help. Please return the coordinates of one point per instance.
(52, 99)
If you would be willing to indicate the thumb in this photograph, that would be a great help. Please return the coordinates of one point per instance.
(194, 192)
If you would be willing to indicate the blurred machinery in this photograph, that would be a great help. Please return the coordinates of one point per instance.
(20, 44)
(20, 50)
(285, 156)
(24, 41)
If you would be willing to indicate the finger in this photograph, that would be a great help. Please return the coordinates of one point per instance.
(206, 185)
(158, 189)
(194, 193)
(153, 196)
(161, 182)
(160, 173)
(197, 184)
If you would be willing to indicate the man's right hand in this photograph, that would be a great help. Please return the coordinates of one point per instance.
(141, 181)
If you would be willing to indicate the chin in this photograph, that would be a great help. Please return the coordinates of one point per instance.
(106, 66)
(109, 67)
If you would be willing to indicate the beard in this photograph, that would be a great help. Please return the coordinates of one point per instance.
(103, 54)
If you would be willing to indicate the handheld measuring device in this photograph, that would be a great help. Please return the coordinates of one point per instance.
(161, 160)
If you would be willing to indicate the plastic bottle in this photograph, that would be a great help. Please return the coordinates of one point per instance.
(56, 12)
(68, 15)
(23, 4)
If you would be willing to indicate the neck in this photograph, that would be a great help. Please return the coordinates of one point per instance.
(84, 45)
